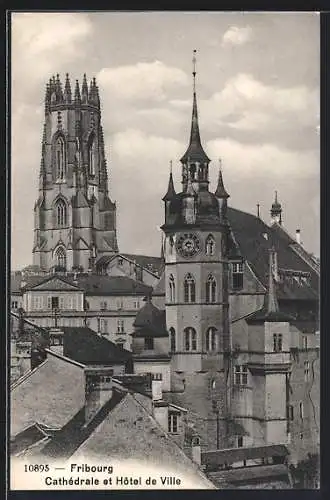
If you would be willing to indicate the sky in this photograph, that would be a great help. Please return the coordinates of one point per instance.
(258, 79)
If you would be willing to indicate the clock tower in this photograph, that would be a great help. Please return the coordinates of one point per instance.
(196, 275)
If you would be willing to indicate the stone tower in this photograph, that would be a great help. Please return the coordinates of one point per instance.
(196, 273)
(74, 218)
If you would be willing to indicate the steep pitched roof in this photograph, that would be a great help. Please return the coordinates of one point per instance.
(129, 432)
(195, 151)
(50, 394)
(249, 232)
(84, 345)
(54, 283)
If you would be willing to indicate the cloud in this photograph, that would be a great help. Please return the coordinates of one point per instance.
(43, 43)
(237, 36)
(142, 81)
(270, 113)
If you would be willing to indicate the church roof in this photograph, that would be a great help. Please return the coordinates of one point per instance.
(254, 239)
(148, 262)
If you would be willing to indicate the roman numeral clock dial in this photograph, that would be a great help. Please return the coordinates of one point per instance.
(188, 245)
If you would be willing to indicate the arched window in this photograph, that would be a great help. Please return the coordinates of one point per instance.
(172, 288)
(190, 339)
(91, 152)
(172, 339)
(210, 245)
(60, 257)
(61, 213)
(189, 289)
(211, 339)
(60, 158)
(211, 289)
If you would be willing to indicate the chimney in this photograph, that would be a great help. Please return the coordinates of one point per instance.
(196, 454)
(98, 390)
(298, 236)
(156, 387)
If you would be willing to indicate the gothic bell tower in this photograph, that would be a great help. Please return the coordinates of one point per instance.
(74, 218)
(196, 273)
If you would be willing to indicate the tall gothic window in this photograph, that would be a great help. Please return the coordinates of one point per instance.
(60, 158)
(172, 339)
(60, 257)
(211, 339)
(91, 153)
(172, 288)
(211, 288)
(190, 339)
(61, 213)
(189, 289)
(210, 245)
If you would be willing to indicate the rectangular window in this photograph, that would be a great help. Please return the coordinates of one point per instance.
(240, 375)
(277, 342)
(173, 422)
(237, 275)
(149, 343)
(62, 303)
(306, 370)
(289, 415)
(301, 409)
(120, 344)
(120, 262)
(136, 304)
(104, 326)
(239, 441)
(54, 302)
(103, 306)
(305, 342)
(14, 304)
(120, 326)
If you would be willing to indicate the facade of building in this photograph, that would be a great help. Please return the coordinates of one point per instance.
(229, 325)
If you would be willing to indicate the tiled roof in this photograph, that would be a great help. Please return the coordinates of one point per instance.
(51, 394)
(249, 232)
(272, 475)
(84, 345)
(130, 433)
(233, 455)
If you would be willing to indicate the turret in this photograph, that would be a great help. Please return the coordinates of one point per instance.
(67, 90)
(221, 194)
(276, 211)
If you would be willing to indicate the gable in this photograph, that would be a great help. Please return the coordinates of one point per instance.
(81, 244)
(55, 283)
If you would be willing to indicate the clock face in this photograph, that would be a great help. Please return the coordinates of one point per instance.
(188, 245)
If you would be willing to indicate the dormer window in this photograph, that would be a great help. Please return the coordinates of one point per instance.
(277, 342)
(210, 245)
(173, 422)
(237, 275)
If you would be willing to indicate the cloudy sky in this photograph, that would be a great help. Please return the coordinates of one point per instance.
(258, 97)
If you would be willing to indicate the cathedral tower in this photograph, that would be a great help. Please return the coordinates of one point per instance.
(196, 272)
(74, 218)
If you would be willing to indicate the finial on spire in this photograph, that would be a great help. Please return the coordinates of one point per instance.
(170, 189)
(77, 92)
(194, 60)
(171, 165)
(221, 192)
(84, 89)
(258, 210)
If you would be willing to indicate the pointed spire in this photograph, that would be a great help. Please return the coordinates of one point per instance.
(170, 194)
(195, 151)
(67, 89)
(84, 90)
(59, 91)
(77, 98)
(271, 304)
(221, 192)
